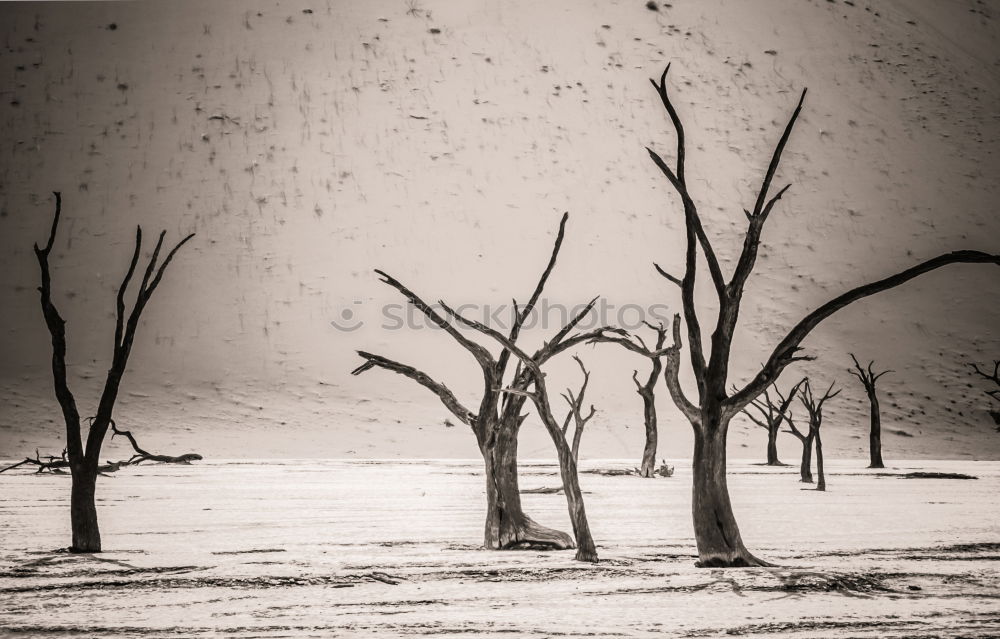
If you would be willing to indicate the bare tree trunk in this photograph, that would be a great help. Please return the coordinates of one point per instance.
(875, 434)
(821, 483)
(772, 445)
(715, 529)
(506, 524)
(805, 470)
(648, 468)
(647, 391)
(868, 378)
(83, 512)
(586, 550)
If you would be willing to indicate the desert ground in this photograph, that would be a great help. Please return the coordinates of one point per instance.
(392, 548)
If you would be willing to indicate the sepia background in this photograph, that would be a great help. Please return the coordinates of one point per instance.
(307, 143)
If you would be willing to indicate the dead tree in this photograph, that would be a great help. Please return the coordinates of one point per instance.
(994, 393)
(771, 415)
(575, 412)
(646, 390)
(84, 460)
(814, 407)
(868, 378)
(498, 418)
(806, 439)
(716, 531)
(585, 549)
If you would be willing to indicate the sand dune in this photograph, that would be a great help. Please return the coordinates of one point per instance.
(308, 143)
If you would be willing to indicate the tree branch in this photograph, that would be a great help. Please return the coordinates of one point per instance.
(447, 398)
(482, 355)
(784, 352)
(57, 331)
(669, 277)
(522, 315)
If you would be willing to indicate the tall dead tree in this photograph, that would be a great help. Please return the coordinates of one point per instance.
(575, 412)
(994, 392)
(498, 418)
(646, 390)
(716, 531)
(814, 407)
(771, 414)
(84, 460)
(868, 379)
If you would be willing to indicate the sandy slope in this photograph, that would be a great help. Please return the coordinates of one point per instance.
(308, 143)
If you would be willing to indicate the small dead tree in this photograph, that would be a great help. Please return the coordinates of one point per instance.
(814, 406)
(498, 418)
(716, 532)
(575, 412)
(994, 393)
(868, 378)
(84, 461)
(806, 439)
(771, 414)
(646, 390)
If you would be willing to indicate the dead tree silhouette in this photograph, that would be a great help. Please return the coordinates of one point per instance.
(814, 407)
(498, 419)
(772, 415)
(575, 412)
(84, 461)
(716, 531)
(647, 390)
(585, 548)
(868, 379)
(806, 439)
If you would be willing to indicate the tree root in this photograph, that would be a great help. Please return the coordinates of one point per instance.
(738, 559)
(529, 534)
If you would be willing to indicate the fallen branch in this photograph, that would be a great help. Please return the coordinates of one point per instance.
(53, 464)
(141, 455)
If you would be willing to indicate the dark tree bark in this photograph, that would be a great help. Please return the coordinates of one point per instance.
(814, 407)
(868, 379)
(84, 460)
(771, 415)
(499, 417)
(716, 532)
